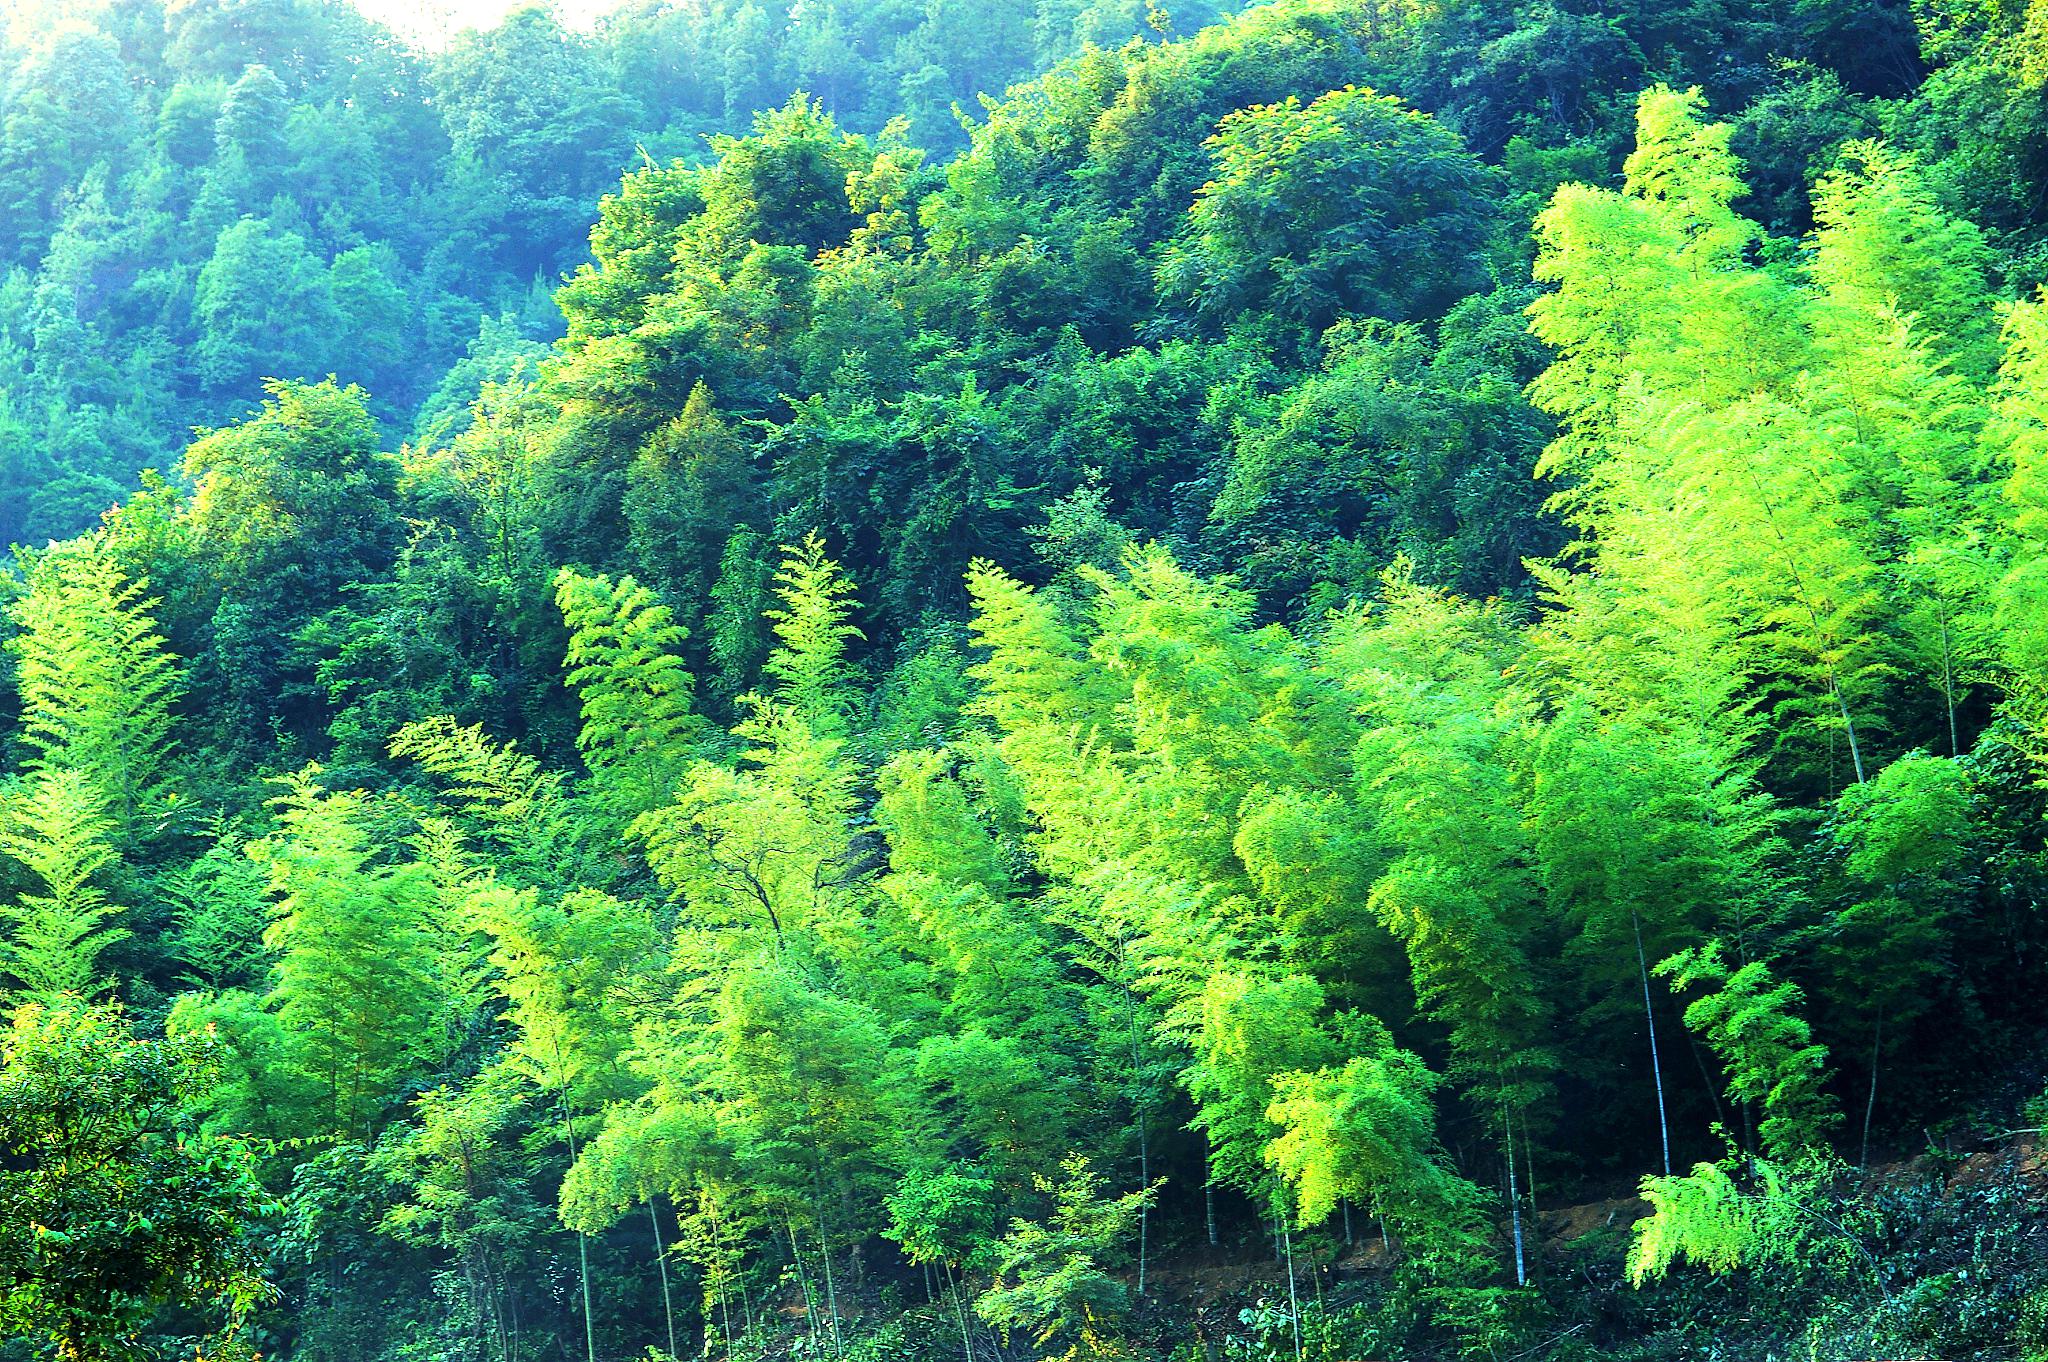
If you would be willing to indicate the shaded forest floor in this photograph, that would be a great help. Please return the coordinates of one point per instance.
(1950, 1260)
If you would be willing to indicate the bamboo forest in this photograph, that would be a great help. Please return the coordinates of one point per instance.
(992, 680)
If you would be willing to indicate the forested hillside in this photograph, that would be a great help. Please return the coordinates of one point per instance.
(199, 194)
(1367, 682)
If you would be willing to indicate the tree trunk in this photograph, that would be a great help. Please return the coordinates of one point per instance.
(746, 1301)
(831, 1294)
(1849, 725)
(492, 1280)
(1650, 1024)
(960, 1312)
(1138, 1109)
(1144, 1181)
(1870, 1103)
(1948, 684)
(1293, 1302)
(1529, 1178)
(803, 1280)
(1707, 1079)
(1514, 1198)
(582, 1244)
(718, 1258)
(668, 1309)
(1208, 1195)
